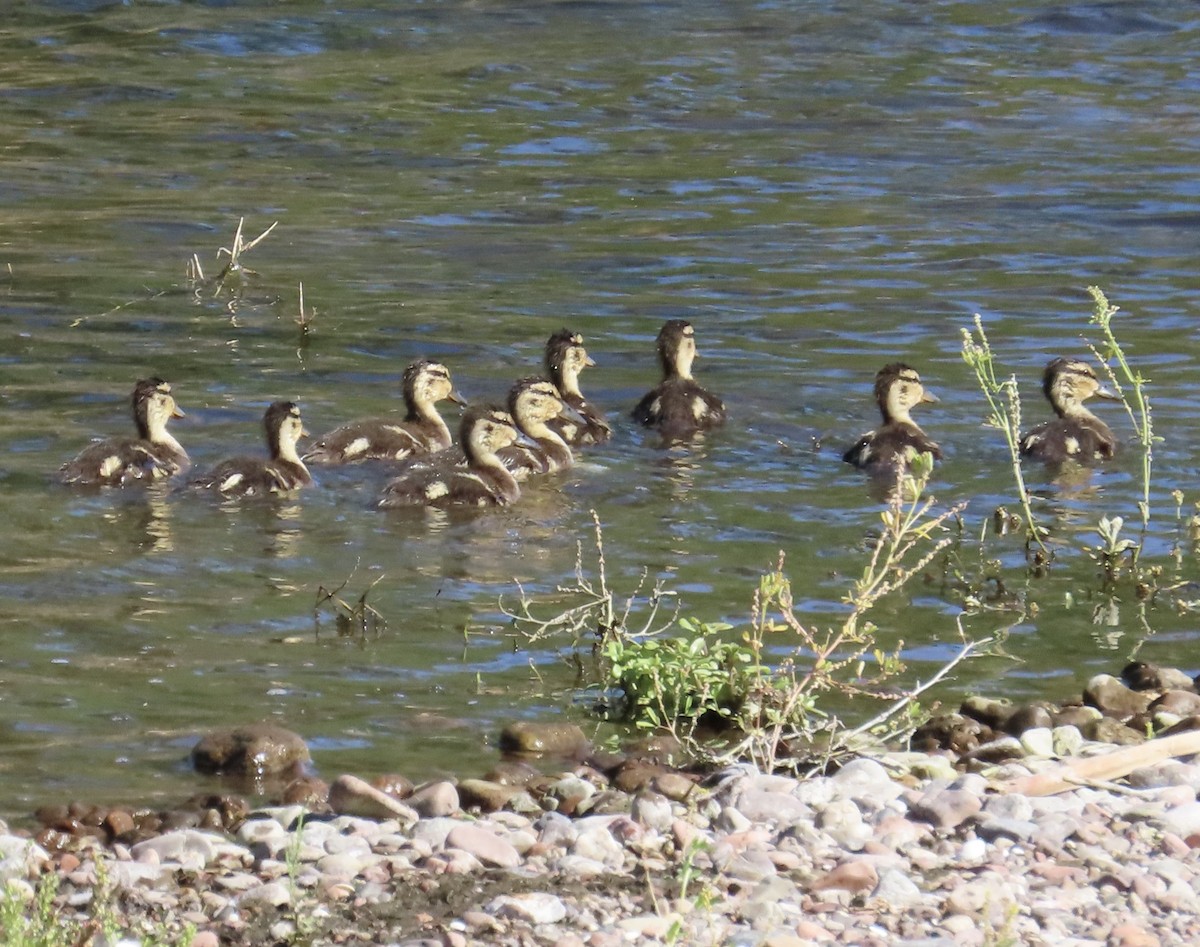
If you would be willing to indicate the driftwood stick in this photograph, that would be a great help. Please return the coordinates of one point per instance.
(1107, 766)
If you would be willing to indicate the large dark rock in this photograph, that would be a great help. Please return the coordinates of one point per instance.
(554, 739)
(1114, 699)
(261, 749)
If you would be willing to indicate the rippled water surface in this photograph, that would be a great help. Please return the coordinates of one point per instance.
(820, 188)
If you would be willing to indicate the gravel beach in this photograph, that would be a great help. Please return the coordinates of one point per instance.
(902, 849)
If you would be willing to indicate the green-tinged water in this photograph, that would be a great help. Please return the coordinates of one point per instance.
(820, 188)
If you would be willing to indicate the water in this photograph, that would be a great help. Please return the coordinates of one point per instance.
(820, 190)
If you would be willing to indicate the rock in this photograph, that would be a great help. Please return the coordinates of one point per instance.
(485, 795)
(989, 711)
(187, 847)
(555, 739)
(842, 822)
(1038, 741)
(395, 785)
(945, 809)
(897, 890)
(1178, 702)
(865, 780)
(274, 893)
(1109, 730)
(955, 732)
(1076, 716)
(1141, 676)
(488, 847)
(512, 773)
(854, 876)
(1028, 717)
(261, 749)
(532, 907)
(434, 799)
(771, 807)
(632, 776)
(1114, 699)
(307, 791)
(675, 786)
(1066, 741)
(349, 795)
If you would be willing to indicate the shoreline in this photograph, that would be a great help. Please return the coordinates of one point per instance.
(896, 848)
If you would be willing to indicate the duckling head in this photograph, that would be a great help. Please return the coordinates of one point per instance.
(426, 383)
(565, 359)
(153, 407)
(1068, 383)
(898, 389)
(532, 402)
(284, 428)
(677, 348)
(486, 429)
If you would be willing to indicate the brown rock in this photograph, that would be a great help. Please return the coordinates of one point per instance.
(636, 775)
(1178, 702)
(987, 710)
(307, 791)
(1075, 716)
(674, 786)
(435, 799)
(853, 876)
(1108, 730)
(485, 795)
(556, 739)
(1141, 676)
(349, 795)
(1028, 717)
(512, 773)
(1114, 699)
(658, 748)
(488, 847)
(119, 823)
(1183, 726)
(260, 749)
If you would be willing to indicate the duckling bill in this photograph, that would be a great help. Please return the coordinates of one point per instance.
(679, 406)
(882, 452)
(282, 472)
(1075, 434)
(153, 455)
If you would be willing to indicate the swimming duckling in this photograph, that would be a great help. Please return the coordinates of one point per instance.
(535, 404)
(484, 482)
(565, 359)
(679, 407)
(898, 390)
(422, 431)
(1076, 434)
(255, 476)
(153, 455)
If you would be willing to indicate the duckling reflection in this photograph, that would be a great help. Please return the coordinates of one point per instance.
(153, 455)
(678, 407)
(422, 431)
(1075, 434)
(890, 448)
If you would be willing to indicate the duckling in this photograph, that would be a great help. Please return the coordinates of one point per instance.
(153, 455)
(534, 405)
(422, 431)
(679, 407)
(1076, 434)
(565, 359)
(254, 476)
(898, 440)
(485, 482)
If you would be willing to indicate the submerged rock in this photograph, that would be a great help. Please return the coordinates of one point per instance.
(260, 749)
(555, 739)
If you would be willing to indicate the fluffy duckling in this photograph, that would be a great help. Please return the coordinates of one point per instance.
(535, 404)
(679, 407)
(898, 440)
(255, 476)
(565, 359)
(1076, 434)
(422, 431)
(484, 482)
(153, 455)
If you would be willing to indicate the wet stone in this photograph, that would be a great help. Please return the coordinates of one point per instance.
(1028, 717)
(485, 795)
(349, 795)
(257, 750)
(1177, 702)
(555, 739)
(1109, 730)
(1114, 699)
